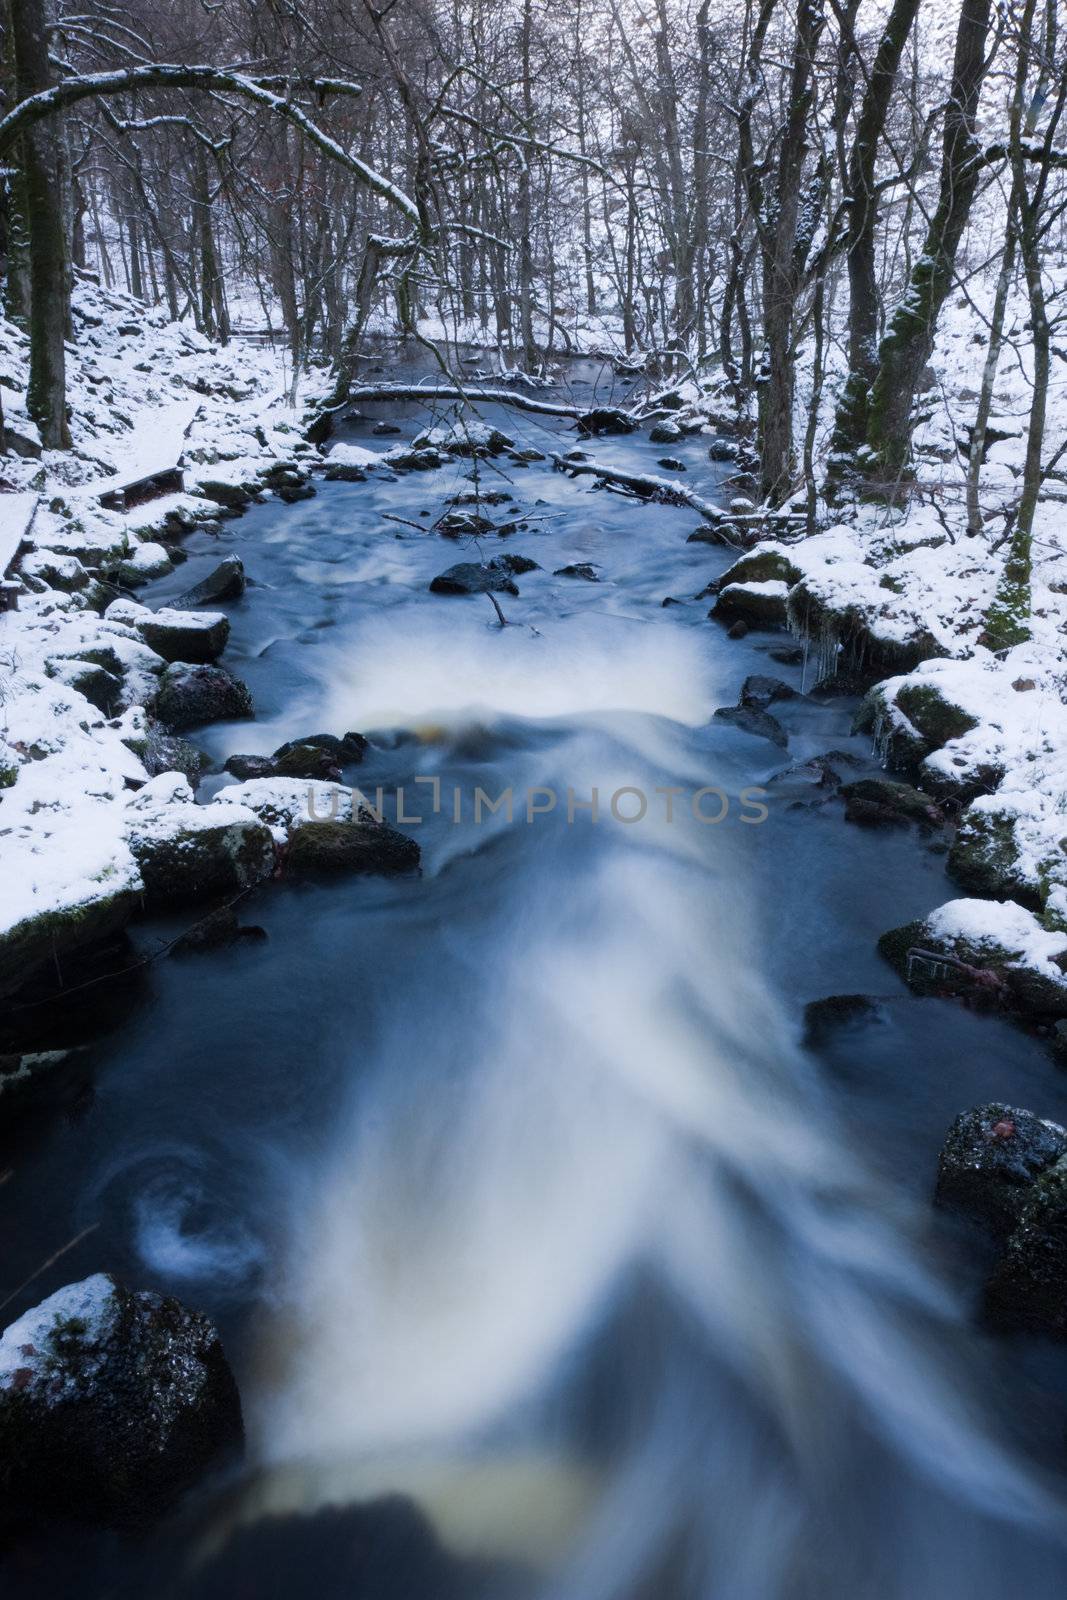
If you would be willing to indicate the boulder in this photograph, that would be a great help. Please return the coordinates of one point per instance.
(464, 437)
(168, 752)
(88, 913)
(344, 751)
(189, 852)
(758, 604)
(664, 433)
(750, 720)
(112, 1404)
(142, 564)
(386, 429)
(226, 582)
(882, 803)
(245, 767)
(196, 636)
(587, 570)
(232, 496)
(987, 856)
(671, 463)
(189, 695)
(990, 1160)
(760, 565)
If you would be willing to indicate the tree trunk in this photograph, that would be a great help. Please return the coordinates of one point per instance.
(909, 342)
(46, 398)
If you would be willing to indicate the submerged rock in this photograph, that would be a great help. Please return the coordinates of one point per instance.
(112, 1404)
(226, 582)
(751, 720)
(824, 1018)
(586, 570)
(190, 695)
(358, 846)
(881, 803)
(990, 1160)
(216, 932)
(761, 692)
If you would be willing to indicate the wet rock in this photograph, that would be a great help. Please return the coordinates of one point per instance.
(787, 655)
(471, 577)
(226, 582)
(464, 437)
(168, 752)
(585, 570)
(986, 858)
(189, 852)
(515, 564)
(196, 636)
(881, 803)
(990, 1160)
(464, 524)
(761, 692)
(345, 472)
(383, 430)
(761, 565)
(524, 456)
(190, 695)
(359, 846)
(1027, 1292)
(345, 751)
(404, 459)
(750, 720)
(251, 766)
(824, 1018)
(216, 932)
(722, 450)
(74, 919)
(737, 630)
(112, 1404)
(760, 604)
(671, 463)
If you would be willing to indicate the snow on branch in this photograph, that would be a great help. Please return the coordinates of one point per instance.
(93, 85)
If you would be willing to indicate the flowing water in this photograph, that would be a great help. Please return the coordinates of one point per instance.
(550, 1263)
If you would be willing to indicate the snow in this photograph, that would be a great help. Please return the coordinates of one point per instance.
(287, 803)
(989, 924)
(27, 1350)
(353, 455)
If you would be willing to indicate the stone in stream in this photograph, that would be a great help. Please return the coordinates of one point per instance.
(189, 695)
(988, 953)
(318, 755)
(750, 720)
(386, 429)
(664, 433)
(761, 692)
(168, 752)
(1027, 1292)
(464, 524)
(587, 570)
(197, 636)
(363, 845)
(31, 1075)
(737, 630)
(671, 463)
(490, 577)
(882, 803)
(113, 1403)
(760, 604)
(217, 931)
(470, 437)
(824, 1018)
(990, 1160)
(250, 766)
(787, 655)
(226, 582)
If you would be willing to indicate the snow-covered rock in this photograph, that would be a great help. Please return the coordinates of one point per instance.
(195, 636)
(187, 852)
(984, 948)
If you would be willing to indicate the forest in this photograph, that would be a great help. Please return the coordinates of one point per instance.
(591, 1123)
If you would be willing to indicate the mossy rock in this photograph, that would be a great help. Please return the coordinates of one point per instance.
(759, 605)
(233, 496)
(46, 939)
(874, 802)
(168, 752)
(935, 716)
(990, 1160)
(862, 656)
(352, 847)
(1028, 1290)
(990, 975)
(186, 861)
(984, 858)
(760, 566)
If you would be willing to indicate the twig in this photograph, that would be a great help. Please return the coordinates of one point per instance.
(78, 1237)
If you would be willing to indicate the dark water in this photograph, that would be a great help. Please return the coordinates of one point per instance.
(549, 1262)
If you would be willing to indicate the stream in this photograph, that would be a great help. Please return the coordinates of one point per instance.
(549, 1262)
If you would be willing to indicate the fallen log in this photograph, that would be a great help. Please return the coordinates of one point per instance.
(670, 491)
(597, 419)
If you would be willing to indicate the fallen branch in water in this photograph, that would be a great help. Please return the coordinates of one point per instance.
(593, 419)
(670, 492)
(494, 602)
